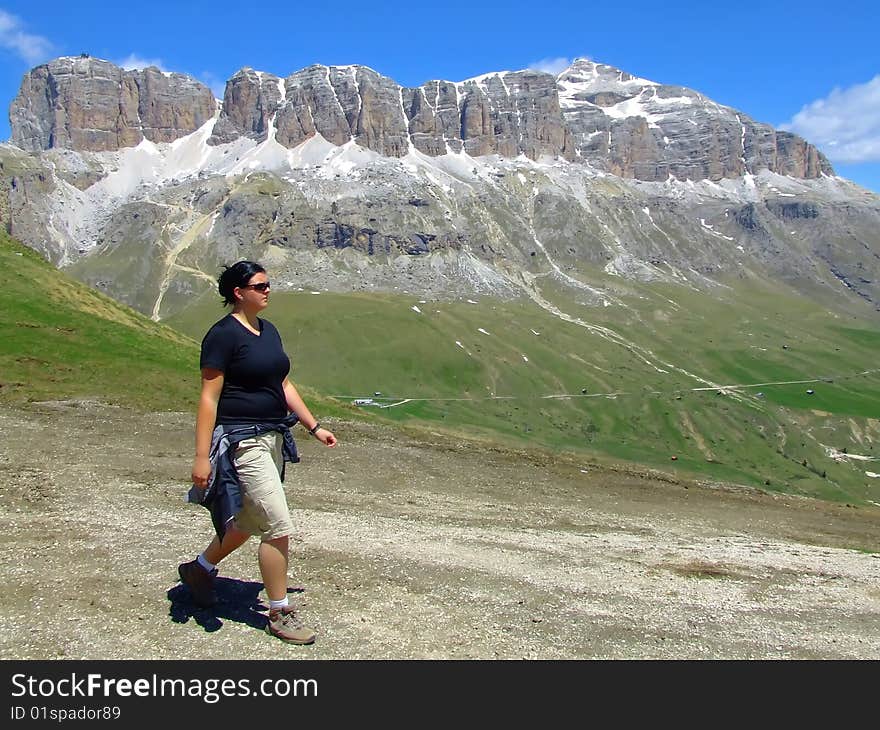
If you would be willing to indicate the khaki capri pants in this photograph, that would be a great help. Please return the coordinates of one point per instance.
(264, 512)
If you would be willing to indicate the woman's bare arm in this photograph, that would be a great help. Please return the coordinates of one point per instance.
(212, 386)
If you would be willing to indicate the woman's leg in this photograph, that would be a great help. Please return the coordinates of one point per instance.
(273, 560)
(233, 539)
(265, 512)
(264, 509)
(283, 621)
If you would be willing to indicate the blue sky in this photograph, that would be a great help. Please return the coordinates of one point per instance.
(813, 67)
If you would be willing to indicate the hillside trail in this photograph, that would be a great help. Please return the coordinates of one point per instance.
(414, 546)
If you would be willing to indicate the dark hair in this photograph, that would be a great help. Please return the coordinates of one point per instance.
(237, 275)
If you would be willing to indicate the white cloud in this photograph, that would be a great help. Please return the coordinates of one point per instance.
(32, 48)
(553, 66)
(133, 61)
(845, 125)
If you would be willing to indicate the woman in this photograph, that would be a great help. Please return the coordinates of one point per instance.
(246, 406)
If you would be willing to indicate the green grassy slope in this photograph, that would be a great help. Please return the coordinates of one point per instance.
(62, 339)
(505, 385)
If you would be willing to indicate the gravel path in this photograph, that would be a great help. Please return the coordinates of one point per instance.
(412, 547)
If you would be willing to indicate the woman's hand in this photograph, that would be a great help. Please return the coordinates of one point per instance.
(326, 437)
(201, 471)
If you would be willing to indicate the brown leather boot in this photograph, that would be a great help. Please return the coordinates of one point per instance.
(199, 581)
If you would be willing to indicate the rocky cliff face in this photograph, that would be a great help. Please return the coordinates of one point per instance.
(87, 104)
(638, 129)
(590, 113)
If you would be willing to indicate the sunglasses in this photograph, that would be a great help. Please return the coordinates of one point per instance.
(262, 286)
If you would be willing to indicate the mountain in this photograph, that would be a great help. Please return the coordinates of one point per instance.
(593, 113)
(89, 104)
(141, 185)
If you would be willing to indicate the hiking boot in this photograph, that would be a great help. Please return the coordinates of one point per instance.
(199, 581)
(285, 624)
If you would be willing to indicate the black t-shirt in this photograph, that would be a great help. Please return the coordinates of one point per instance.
(254, 367)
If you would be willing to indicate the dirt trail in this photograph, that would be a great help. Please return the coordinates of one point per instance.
(411, 549)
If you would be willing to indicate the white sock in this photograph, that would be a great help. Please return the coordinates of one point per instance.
(277, 604)
(204, 563)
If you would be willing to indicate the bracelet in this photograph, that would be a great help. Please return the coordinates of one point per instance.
(314, 429)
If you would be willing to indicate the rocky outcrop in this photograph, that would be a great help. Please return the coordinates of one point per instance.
(87, 104)
(511, 114)
(639, 129)
(24, 184)
(250, 101)
(340, 104)
(504, 114)
(500, 114)
(793, 211)
(630, 127)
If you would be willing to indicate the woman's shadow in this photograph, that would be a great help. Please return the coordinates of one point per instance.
(237, 600)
